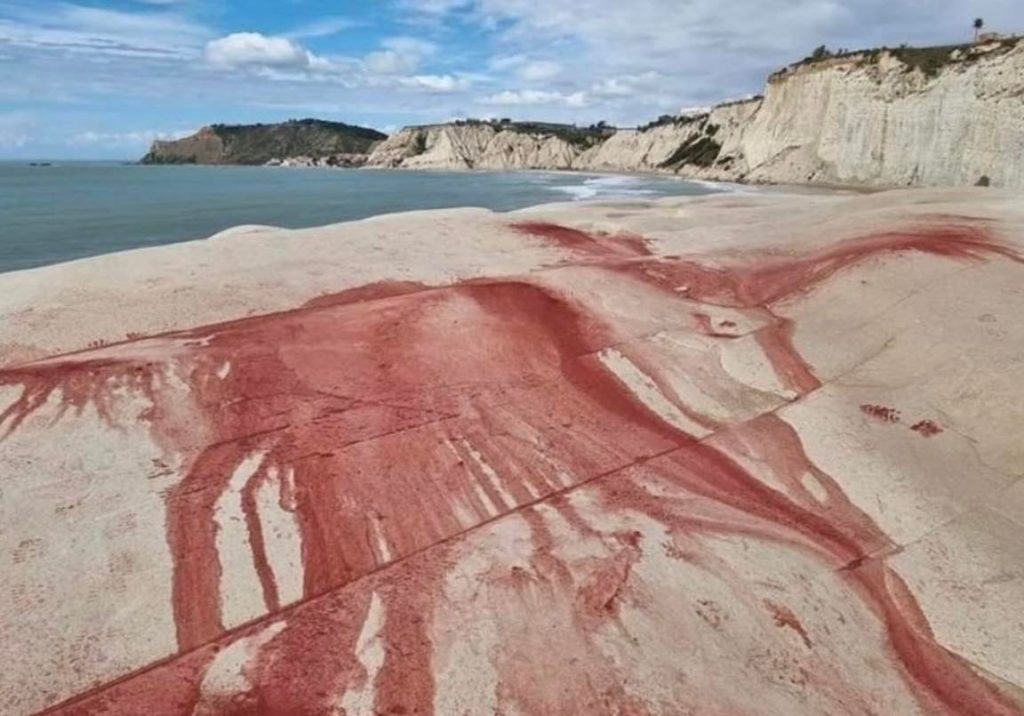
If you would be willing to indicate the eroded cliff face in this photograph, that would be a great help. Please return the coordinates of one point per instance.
(476, 145)
(203, 147)
(932, 117)
(875, 120)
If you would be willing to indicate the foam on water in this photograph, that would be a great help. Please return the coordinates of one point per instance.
(619, 186)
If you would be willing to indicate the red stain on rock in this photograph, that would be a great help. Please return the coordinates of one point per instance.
(90, 382)
(784, 617)
(775, 278)
(421, 411)
(405, 684)
(599, 243)
(945, 683)
(776, 340)
(881, 412)
(599, 595)
(704, 324)
(926, 428)
(369, 292)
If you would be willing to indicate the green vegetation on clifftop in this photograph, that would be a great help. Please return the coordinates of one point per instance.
(259, 143)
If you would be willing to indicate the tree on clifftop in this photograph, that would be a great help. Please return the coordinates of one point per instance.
(820, 53)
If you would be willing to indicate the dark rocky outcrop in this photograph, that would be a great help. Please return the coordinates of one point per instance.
(261, 143)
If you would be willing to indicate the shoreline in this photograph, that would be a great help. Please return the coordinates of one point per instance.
(241, 196)
(733, 185)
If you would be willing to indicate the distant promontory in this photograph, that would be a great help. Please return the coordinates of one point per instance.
(266, 143)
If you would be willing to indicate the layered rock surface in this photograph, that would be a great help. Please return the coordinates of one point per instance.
(728, 454)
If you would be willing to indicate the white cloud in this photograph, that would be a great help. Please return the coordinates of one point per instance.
(15, 128)
(79, 29)
(539, 70)
(434, 7)
(324, 27)
(389, 62)
(535, 97)
(410, 46)
(399, 55)
(626, 85)
(135, 139)
(252, 49)
(704, 51)
(436, 83)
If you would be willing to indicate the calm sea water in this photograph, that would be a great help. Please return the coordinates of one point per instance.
(66, 211)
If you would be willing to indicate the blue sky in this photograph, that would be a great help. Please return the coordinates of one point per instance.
(91, 78)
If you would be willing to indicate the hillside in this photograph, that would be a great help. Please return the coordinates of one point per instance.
(934, 116)
(261, 143)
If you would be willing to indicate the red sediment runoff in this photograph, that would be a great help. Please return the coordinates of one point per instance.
(926, 428)
(942, 681)
(773, 279)
(599, 243)
(395, 415)
(405, 684)
(408, 416)
(946, 682)
(368, 292)
(776, 340)
(771, 442)
(256, 539)
(89, 382)
(881, 412)
(191, 535)
(599, 595)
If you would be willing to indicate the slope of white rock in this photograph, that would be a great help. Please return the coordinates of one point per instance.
(852, 120)
(472, 146)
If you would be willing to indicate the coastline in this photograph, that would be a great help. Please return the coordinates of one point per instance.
(110, 207)
(728, 185)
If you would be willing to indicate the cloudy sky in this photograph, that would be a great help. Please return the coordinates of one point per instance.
(92, 78)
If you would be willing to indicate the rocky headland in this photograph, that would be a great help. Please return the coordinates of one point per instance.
(329, 143)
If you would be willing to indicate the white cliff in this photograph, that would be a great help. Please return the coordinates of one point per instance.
(473, 145)
(906, 117)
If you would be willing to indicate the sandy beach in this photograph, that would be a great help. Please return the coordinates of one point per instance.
(730, 454)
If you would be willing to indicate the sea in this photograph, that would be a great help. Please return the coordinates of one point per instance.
(52, 212)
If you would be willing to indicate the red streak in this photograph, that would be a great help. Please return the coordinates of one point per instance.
(402, 409)
(881, 412)
(598, 243)
(784, 617)
(926, 428)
